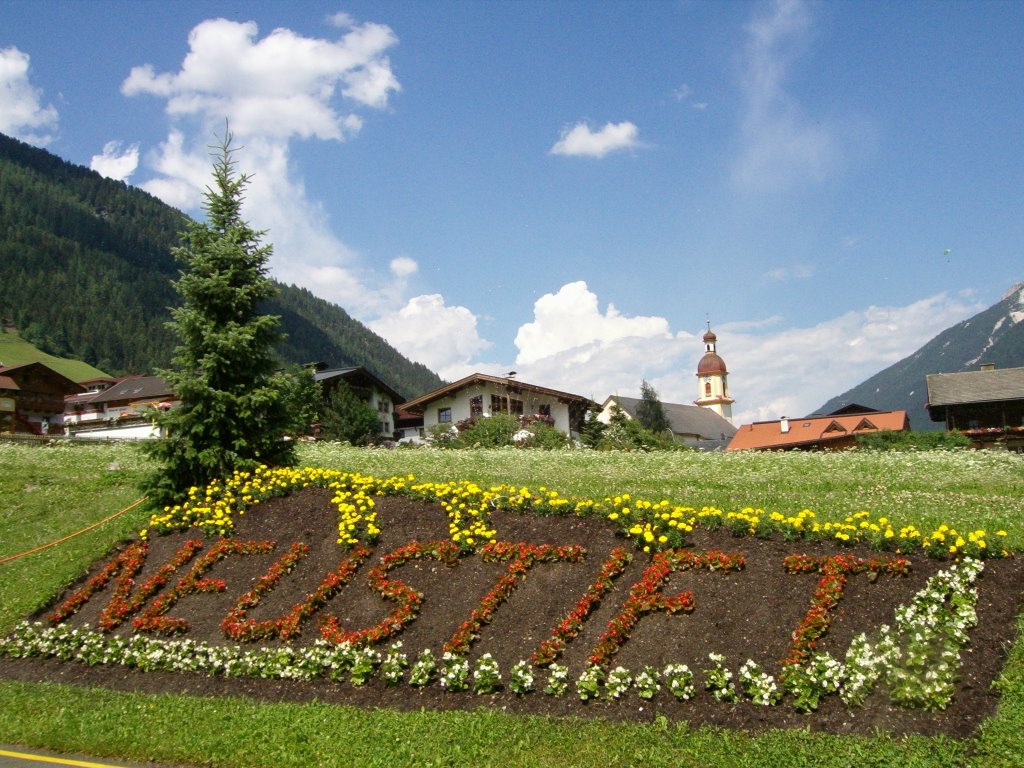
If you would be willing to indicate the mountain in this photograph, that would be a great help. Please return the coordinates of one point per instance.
(86, 272)
(994, 336)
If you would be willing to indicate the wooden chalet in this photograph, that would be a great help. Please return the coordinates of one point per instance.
(986, 405)
(32, 398)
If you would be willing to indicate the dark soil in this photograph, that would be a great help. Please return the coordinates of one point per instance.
(746, 614)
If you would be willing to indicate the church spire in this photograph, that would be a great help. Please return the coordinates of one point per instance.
(713, 378)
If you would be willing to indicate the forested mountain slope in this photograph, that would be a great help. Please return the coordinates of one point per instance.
(86, 271)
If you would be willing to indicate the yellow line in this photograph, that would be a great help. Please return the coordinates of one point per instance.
(57, 760)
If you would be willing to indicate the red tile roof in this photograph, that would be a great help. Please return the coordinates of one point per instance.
(815, 430)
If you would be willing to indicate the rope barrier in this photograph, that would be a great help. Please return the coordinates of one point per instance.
(73, 535)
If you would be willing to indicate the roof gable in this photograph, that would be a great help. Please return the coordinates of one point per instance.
(15, 377)
(814, 430)
(357, 376)
(418, 404)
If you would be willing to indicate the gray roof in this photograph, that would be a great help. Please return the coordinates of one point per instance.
(685, 419)
(975, 386)
(134, 388)
(358, 376)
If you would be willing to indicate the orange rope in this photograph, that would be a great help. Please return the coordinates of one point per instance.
(77, 533)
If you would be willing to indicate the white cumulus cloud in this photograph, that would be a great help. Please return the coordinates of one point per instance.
(792, 371)
(426, 330)
(403, 267)
(282, 85)
(774, 369)
(116, 163)
(571, 318)
(581, 141)
(22, 114)
(268, 91)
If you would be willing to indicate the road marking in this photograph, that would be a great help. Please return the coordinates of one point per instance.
(55, 760)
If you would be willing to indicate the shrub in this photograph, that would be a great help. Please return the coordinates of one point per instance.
(492, 431)
(912, 441)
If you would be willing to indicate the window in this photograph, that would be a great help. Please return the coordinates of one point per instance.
(476, 406)
(383, 406)
(444, 415)
(499, 403)
(707, 388)
(544, 409)
(517, 407)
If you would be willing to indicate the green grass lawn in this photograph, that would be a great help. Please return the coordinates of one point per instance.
(16, 351)
(49, 492)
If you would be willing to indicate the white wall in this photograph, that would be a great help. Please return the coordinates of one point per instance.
(459, 403)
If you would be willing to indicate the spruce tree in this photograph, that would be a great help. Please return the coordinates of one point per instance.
(235, 407)
(346, 416)
(650, 412)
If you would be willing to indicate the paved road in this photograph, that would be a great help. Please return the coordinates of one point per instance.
(23, 757)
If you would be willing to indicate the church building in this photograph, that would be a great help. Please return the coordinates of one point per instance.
(713, 379)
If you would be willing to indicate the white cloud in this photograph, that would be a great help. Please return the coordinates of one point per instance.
(281, 85)
(404, 267)
(683, 94)
(571, 318)
(774, 370)
(581, 141)
(183, 173)
(341, 20)
(793, 272)
(268, 91)
(22, 114)
(428, 331)
(780, 145)
(115, 163)
(792, 371)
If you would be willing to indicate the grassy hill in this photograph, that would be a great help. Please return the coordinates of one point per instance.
(16, 351)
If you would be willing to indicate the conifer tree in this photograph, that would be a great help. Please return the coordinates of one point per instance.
(346, 416)
(235, 407)
(650, 412)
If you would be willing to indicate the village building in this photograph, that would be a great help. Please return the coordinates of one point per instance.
(713, 379)
(834, 431)
(481, 395)
(367, 387)
(707, 423)
(122, 410)
(32, 398)
(691, 425)
(986, 405)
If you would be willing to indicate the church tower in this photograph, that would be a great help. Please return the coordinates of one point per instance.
(713, 379)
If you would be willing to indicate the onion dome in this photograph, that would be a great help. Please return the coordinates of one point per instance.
(711, 363)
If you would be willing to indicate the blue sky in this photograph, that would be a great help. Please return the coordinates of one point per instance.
(569, 189)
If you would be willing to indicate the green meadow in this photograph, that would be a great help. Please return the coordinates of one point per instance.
(49, 492)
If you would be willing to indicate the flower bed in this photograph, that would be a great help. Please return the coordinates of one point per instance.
(606, 603)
